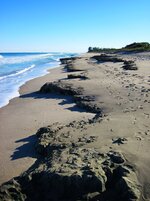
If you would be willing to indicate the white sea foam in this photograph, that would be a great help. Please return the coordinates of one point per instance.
(21, 59)
(6, 100)
(1, 57)
(18, 72)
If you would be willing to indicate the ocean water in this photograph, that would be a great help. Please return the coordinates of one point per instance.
(18, 68)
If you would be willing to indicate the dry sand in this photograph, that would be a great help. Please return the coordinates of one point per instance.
(123, 96)
(23, 116)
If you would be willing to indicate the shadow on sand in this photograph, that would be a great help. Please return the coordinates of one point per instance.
(25, 150)
(65, 100)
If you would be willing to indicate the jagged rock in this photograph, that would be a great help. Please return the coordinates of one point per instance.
(68, 89)
(129, 65)
(70, 169)
(89, 106)
(128, 190)
(70, 67)
(122, 171)
(116, 157)
(87, 139)
(62, 88)
(107, 58)
(84, 98)
(75, 174)
(69, 64)
(12, 191)
(48, 142)
(119, 140)
(91, 196)
(42, 130)
(75, 76)
(68, 60)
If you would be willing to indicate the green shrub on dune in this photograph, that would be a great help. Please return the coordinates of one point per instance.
(133, 47)
(144, 46)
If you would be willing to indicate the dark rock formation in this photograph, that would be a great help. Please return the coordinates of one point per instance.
(107, 58)
(116, 157)
(75, 76)
(70, 172)
(68, 89)
(69, 64)
(129, 65)
(61, 87)
(12, 191)
(119, 140)
(68, 60)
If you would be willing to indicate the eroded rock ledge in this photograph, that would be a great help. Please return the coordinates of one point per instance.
(69, 64)
(127, 64)
(70, 172)
(86, 102)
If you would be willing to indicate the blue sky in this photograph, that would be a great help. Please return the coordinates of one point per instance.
(72, 25)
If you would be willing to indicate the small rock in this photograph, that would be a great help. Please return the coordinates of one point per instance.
(116, 157)
(119, 140)
(140, 107)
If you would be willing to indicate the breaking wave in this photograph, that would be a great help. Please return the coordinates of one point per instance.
(18, 72)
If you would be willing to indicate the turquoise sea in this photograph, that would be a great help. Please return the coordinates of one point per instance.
(18, 68)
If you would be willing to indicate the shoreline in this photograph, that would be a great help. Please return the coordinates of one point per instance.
(13, 101)
(18, 91)
(89, 126)
(22, 117)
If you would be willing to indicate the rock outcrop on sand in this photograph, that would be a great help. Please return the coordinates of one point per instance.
(69, 64)
(69, 172)
(128, 64)
(80, 76)
(68, 60)
(64, 88)
(61, 87)
(107, 58)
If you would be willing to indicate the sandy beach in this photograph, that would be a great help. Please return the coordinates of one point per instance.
(99, 117)
(23, 116)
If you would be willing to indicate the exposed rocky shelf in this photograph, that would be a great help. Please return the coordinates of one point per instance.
(64, 88)
(128, 64)
(67, 169)
(107, 58)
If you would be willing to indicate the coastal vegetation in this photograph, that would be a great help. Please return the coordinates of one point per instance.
(133, 47)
